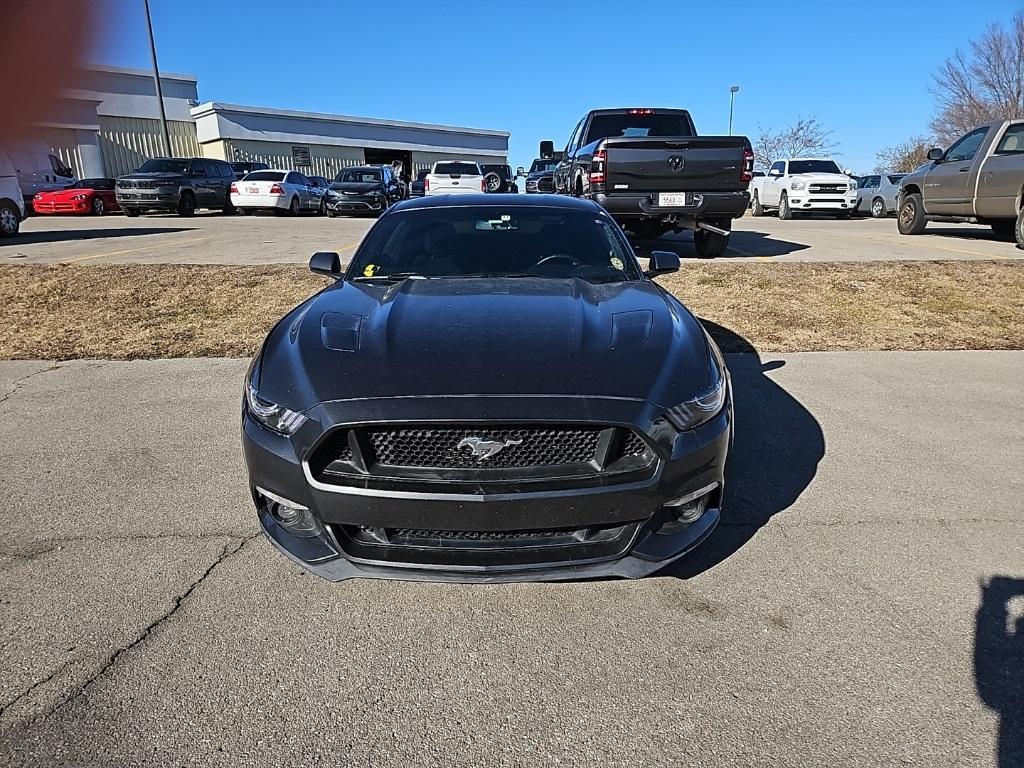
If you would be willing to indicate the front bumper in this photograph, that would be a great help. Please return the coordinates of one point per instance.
(706, 205)
(687, 462)
(354, 204)
(51, 207)
(162, 201)
(801, 200)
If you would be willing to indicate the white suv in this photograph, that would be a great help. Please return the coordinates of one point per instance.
(454, 177)
(803, 184)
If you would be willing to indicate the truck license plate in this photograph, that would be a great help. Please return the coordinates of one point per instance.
(671, 199)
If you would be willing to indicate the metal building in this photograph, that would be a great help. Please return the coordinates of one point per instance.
(321, 144)
(109, 125)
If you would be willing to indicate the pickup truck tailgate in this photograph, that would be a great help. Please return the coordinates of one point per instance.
(698, 163)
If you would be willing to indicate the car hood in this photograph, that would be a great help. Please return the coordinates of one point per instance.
(355, 186)
(486, 336)
(63, 194)
(152, 176)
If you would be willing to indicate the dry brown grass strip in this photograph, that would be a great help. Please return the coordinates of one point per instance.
(141, 311)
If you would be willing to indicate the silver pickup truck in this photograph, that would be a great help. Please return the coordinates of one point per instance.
(981, 177)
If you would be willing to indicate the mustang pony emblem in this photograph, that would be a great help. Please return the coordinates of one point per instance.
(483, 448)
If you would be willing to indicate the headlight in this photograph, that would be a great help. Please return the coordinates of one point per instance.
(796, 185)
(702, 408)
(853, 185)
(273, 416)
(78, 197)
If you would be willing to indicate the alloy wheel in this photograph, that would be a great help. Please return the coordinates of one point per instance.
(8, 221)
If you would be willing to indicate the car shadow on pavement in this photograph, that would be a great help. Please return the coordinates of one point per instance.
(777, 446)
(999, 662)
(60, 235)
(742, 244)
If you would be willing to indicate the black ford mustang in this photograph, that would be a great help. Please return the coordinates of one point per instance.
(493, 391)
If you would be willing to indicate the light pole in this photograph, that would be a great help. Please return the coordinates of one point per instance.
(733, 90)
(156, 78)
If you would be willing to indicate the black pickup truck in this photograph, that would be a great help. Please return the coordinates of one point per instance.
(653, 173)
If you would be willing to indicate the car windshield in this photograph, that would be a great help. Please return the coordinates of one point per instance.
(543, 165)
(93, 184)
(455, 169)
(638, 124)
(163, 165)
(895, 178)
(813, 166)
(265, 176)
(489, 241)
(359, 175)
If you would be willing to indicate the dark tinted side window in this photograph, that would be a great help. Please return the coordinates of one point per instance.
(196, 168)
(1012, 141)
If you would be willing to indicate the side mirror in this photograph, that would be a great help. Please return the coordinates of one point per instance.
(520, 171)
(848, 171)
(662, 262)
(774, 174)
(326, 263)
(935, 154)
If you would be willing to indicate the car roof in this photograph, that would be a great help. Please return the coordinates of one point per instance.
(506, 200)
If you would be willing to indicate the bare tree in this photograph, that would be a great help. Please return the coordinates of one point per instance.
(804, 137)
(985, 83)
(903, 157)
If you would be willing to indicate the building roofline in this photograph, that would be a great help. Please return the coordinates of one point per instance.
(213, 107)
(133, 71)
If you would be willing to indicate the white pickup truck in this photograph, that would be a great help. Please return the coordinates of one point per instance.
(803, 184)
(454, 177)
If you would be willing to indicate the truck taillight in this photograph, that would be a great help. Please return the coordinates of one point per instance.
(276, 190)
(597, 165)
(747, 174)
(426, 183)
(483, 185)
(234, 189)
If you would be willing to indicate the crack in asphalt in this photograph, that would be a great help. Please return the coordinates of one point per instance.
(17, 384)
(45, 546)
(28, 691)
(229, 549)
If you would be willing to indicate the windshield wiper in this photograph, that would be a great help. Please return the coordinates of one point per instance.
(393, 277)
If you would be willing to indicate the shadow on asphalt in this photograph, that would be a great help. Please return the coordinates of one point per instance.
(999, 662)
(56, 236)
(750, 244)
(778, 444)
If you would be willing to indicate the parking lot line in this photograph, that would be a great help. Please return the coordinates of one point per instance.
(346, 246)
(132, 250)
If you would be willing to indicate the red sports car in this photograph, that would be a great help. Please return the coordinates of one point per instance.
(95, 196)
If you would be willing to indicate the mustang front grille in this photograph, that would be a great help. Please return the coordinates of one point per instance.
(475, 455)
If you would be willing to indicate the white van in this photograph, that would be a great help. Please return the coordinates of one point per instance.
(12, 202)
(38, 169)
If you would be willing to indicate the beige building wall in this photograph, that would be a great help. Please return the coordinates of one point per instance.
(326, 160)
(426, 160)
(127, 142)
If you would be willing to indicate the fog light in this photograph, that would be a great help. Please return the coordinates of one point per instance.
(292, 516)
(689, 508)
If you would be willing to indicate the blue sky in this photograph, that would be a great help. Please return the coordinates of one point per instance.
(533, 68)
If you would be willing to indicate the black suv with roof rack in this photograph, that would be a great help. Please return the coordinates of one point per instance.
(176, 184)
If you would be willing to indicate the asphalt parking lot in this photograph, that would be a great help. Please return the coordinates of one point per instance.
(212, 238)
(861, 605)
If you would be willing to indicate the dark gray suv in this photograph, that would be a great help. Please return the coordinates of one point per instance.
(176, 184)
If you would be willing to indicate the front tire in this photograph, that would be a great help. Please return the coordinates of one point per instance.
(97, 207)
(1018, 229)
(322, 210)
(878, 208)
(756, 209)
(187, 204)
(784, 210)
(911, 219)
(229, 208)
(131, 213)
(710, 245)
(10, 220)
(293, 207)
(1004, 229)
